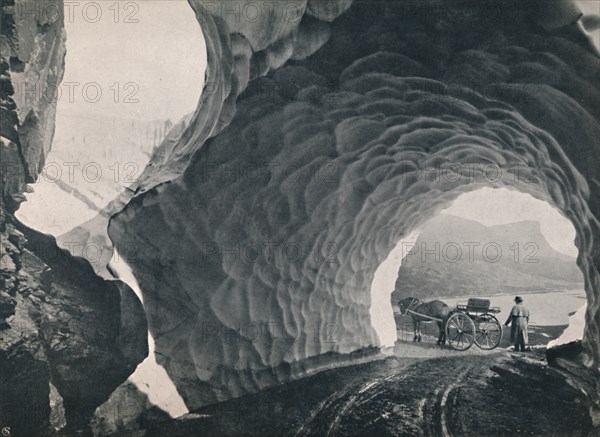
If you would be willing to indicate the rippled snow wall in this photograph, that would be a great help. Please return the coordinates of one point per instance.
(323, 138)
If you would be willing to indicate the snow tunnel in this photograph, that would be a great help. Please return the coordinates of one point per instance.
(326, 133)
(256, 237)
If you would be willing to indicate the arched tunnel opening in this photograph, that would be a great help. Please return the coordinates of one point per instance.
(265, 231)
(490, 244)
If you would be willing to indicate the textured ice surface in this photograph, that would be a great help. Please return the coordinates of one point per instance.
(277, 205)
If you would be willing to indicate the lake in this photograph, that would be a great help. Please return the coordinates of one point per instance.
(547, 309)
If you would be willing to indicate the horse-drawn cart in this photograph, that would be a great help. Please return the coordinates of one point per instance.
(468, 323)
(474, 322)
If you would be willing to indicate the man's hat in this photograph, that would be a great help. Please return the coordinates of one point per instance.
(518, 299)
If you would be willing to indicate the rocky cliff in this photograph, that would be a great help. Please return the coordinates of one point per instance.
(326, 132)
(62, 325)
(68, 337)
(32, 66)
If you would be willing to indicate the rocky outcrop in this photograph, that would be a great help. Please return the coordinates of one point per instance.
(31, 69)
(69, 338)
(126, 411)
(567, 358)
(257, 234)
(84, 334)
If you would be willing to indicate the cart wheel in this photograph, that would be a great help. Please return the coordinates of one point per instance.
(460, 332)
(488, 331)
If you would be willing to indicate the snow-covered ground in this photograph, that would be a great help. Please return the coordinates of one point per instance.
(574, 331)
(150, 377)
(382, 286)
(51, 210)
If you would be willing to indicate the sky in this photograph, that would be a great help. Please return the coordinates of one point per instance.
(591, 8)
(491, 207)
(147, 59)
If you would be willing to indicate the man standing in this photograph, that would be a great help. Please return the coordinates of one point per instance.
(518, 319)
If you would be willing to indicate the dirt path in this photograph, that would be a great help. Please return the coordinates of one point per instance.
(375, 407)
(490, 394)
(495, 394)
(325, 419)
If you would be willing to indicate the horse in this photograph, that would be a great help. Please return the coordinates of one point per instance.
(436, 309)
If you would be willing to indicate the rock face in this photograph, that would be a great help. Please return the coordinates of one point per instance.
(66, 333)
(126, 411)
(318, 143)
(32, 67)
(84, 334)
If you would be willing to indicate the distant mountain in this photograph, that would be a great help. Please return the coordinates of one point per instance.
(105, 154)
(93, 160)
(107, 137)
(459, 257)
